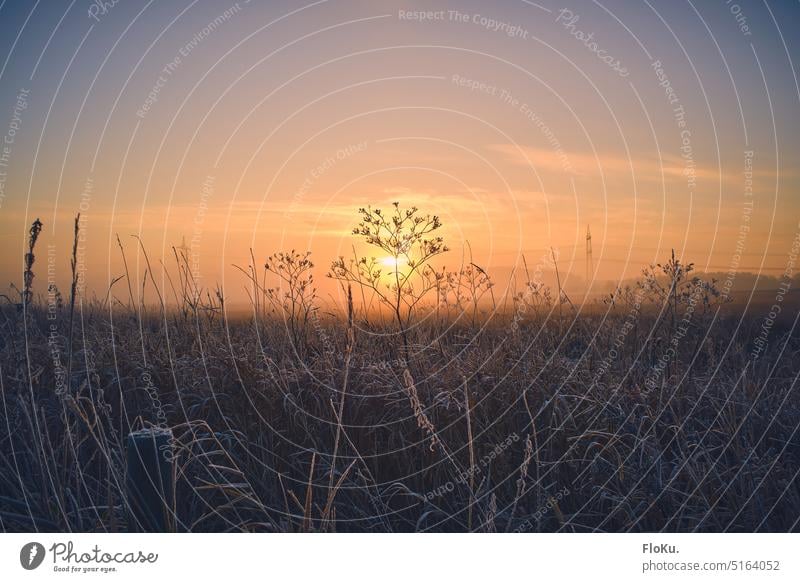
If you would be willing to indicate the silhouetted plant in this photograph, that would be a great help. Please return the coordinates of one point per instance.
(467, 287)
(536, 296)
(27, 283)
(406, 238)
(671, 285)
(296, 294)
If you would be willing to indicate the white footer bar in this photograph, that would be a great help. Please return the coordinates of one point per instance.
(389, 557)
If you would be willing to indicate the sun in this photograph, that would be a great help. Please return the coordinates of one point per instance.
(393, 262)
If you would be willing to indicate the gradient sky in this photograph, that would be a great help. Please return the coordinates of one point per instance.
(277, 120)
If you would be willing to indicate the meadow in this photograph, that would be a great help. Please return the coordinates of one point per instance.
(423, 404)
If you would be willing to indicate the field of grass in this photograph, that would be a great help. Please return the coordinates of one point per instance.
(652, 411)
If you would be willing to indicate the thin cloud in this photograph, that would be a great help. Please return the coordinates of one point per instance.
(610, 165)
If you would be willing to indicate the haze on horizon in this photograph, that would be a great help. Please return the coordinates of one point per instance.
(223, 127)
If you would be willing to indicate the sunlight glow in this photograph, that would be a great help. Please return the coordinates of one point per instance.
(393, 262)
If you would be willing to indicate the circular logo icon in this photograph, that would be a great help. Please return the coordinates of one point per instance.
(31, 555)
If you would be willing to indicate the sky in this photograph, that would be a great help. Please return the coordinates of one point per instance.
(225, 126)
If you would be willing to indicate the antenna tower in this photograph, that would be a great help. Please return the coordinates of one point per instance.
(589, 261)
